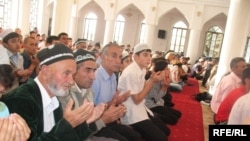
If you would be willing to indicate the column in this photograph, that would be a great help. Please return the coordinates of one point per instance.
(193, 49)
(61, 16)
(23, 16)
(73, 27)
(42, 23)
(109, 31)
(150, 35)
(235, 36)
(73, 23)
(193, 45)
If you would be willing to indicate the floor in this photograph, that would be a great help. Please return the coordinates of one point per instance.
(207, 116)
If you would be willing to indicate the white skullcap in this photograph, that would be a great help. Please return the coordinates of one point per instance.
(5, 32)
(124, 54)
(141, 47)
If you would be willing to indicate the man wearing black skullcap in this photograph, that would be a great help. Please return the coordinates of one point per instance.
(84, 78)
(37, 103)
(81, 44)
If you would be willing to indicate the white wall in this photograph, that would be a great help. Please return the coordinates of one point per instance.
(161, 14)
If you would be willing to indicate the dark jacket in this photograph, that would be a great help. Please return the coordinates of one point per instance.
(26, 100)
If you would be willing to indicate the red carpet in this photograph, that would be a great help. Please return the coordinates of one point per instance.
(190, 125)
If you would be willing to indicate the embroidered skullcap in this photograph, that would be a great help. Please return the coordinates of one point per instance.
(78, 41)
(82, 55)
(54, 53)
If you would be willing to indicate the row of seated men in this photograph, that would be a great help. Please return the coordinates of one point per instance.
(71, 97)
(230, 89)
(230, 96)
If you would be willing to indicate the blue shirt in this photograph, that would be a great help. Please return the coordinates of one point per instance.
(104, 86)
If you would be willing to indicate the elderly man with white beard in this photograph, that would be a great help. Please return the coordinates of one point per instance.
(37, 103)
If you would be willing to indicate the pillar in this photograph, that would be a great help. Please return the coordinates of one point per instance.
(150, 35)
(61, 16)
(109, 31)
(193, 45)
(24, 16)
(73, 23)
(235, 36)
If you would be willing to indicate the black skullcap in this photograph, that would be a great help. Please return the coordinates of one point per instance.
(82, 55)
(54, 53)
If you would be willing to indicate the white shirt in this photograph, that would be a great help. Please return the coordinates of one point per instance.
(4, 58)
(132, 78)
(49, 105)
(240, 110)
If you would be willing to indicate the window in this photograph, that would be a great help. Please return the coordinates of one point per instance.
(33, 14)
(119, 28)
(213, 42)
(5, 12)
(143, 32)
(90, 26)
(247, 51)
(179, 33)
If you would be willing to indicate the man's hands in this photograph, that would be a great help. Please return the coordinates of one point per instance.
(14, 128)
(98, 111)
(23, 74)
(23, 130)
(167, 80)
(113, 113)
(157, 76)
(7, 130)
(79, 115)
(119, 99)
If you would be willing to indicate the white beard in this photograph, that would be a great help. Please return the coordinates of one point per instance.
(56, 91)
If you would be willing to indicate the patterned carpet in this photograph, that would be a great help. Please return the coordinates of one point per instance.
(190, 125)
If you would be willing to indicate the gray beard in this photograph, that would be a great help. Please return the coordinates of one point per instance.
(57, 92)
